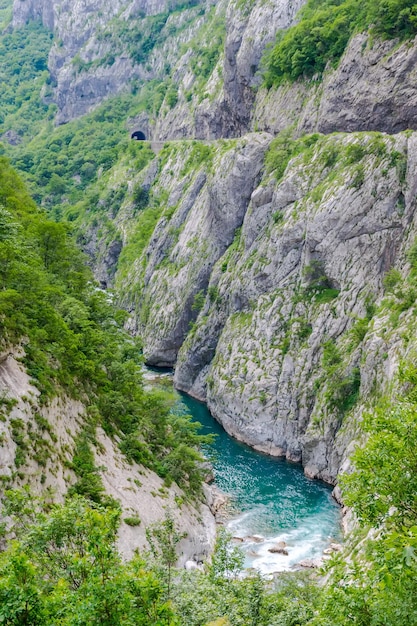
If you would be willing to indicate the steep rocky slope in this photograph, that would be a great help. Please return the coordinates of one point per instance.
(204, 206)
(373, 88)
(208, 56)
(208, 53)
(264, 289)
(308, 265)
(37, 444)
(75, 415)
(101, 47)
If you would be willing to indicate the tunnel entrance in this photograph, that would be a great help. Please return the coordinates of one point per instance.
(138, 135)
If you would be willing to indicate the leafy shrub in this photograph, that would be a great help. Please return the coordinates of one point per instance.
(207, 49)
(171, 97)
(358, 177)
(391, 279)
(140, 196)
(315, 275)
(200, 153)
(283, 148)
(134, 520)
(198, 301)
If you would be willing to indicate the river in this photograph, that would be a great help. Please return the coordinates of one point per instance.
(271, 497)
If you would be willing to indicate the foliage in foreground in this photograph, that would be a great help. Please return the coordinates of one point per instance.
(324, 30)
(73, 339)
(382, 492)
(64, 568)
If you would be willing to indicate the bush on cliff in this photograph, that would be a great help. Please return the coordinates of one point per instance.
(323, 32)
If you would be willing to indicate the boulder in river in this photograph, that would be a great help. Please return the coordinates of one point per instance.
(255, 538)
(311, 563)
(279, 548)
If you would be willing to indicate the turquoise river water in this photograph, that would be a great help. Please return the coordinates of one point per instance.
(272, 498)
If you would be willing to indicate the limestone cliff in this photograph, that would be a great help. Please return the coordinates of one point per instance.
(264, 289)
(208, 51)
(285, 366)
(373, 88)
(205, 206)
(209, 54)
(101, 47)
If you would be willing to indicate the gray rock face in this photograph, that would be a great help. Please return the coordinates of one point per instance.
(74, 24)
(260, 290)
(90, 59)
(208, 205)
(250, 27)
(76, 94)
(225, 108)
(26, 10)
(373, 88)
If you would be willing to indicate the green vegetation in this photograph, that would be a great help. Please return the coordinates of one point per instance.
(382, 493)
(60, 164)
(133, 520)
(323, 32)
(5, 13)
(283, 148)
(198, 302)
(18, 435)
(401, 292)
(205, 57)
(200, 153)
(138, 37)
(140, 197)
(145, 224)
(89, 483)
(318, 284)
(22, 76)
(341, 385)
(74, 341)
(64, 566)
